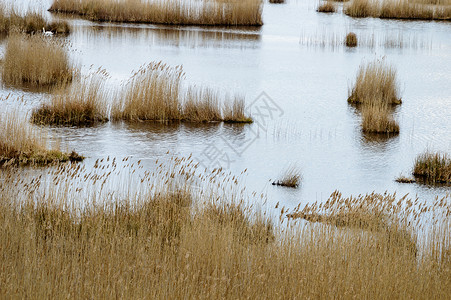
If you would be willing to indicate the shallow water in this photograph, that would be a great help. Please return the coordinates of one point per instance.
(298, 61)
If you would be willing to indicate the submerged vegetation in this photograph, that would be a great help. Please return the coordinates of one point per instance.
(399, 9)
(21, 144)
(433, 167)
(30, 22)
(84, 103)
(161, 238)
(154, 93)
(35, 60)
(290, 178)
(174, 12)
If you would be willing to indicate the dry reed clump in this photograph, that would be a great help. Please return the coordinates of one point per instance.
(201, 105)
(21, 144)
(377, 118)
(36, 61)
(433, 167)
(276, 1)
(83, 104)
(398, 9)
(234, 111)
(31, 22)
(351, 40)
(327, 7)
(176, 12)
(154, 93)
(135, 241)
(404, 179)
(151, 94)
(290, 178)
(375, 83)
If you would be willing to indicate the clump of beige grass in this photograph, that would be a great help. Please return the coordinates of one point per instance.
(176, 12)
(398, 9)
(201, 105)
(377, 118)
(291, 178)
(83, 104)
(351, 40)
(31, 22)
(404, 179)
(433, 167)
(151, 94)
(21, 144)
(155, 93)
(375, 82)
(36, 61)
(326, 7)
(234, 111)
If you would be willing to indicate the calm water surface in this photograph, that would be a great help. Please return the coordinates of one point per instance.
(297, 59)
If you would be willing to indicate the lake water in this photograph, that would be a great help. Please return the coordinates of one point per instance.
(295, 74)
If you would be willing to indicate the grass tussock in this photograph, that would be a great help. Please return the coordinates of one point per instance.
(291, 178)
(155, 93)
(31, 22)
(83, 104)
(399, 9)
(327, 7)
(276, 1)
(174, 12)
(21, 144)
(351, 40)
(377, 118)
(375, 82)
(433, 167)
(404, 179)
(35, 60)
(172, 242)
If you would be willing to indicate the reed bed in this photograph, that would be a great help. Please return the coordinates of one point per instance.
(326, 7)
(375, 82)
(291, 178)
(173, 12)
(161, 238)
(155, 93)
(36, 61)
(21, 144)
(399, 9)
(377, 118)
(31, 22)
(83, 104)
(433, 167)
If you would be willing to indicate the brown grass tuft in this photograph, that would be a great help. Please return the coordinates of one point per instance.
(154, 93)
(399, 9)
(351, 40)
(83, 104)
(36, 61)
(175, 12)
(375, 82)
(201, 105)
(433, 167)
(234, 112)
(31, 22)
(291, 178)
(327, 7)
(21, 144)
(377, 118)
(404, 179)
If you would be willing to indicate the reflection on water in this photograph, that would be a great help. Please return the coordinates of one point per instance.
(190, 37)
